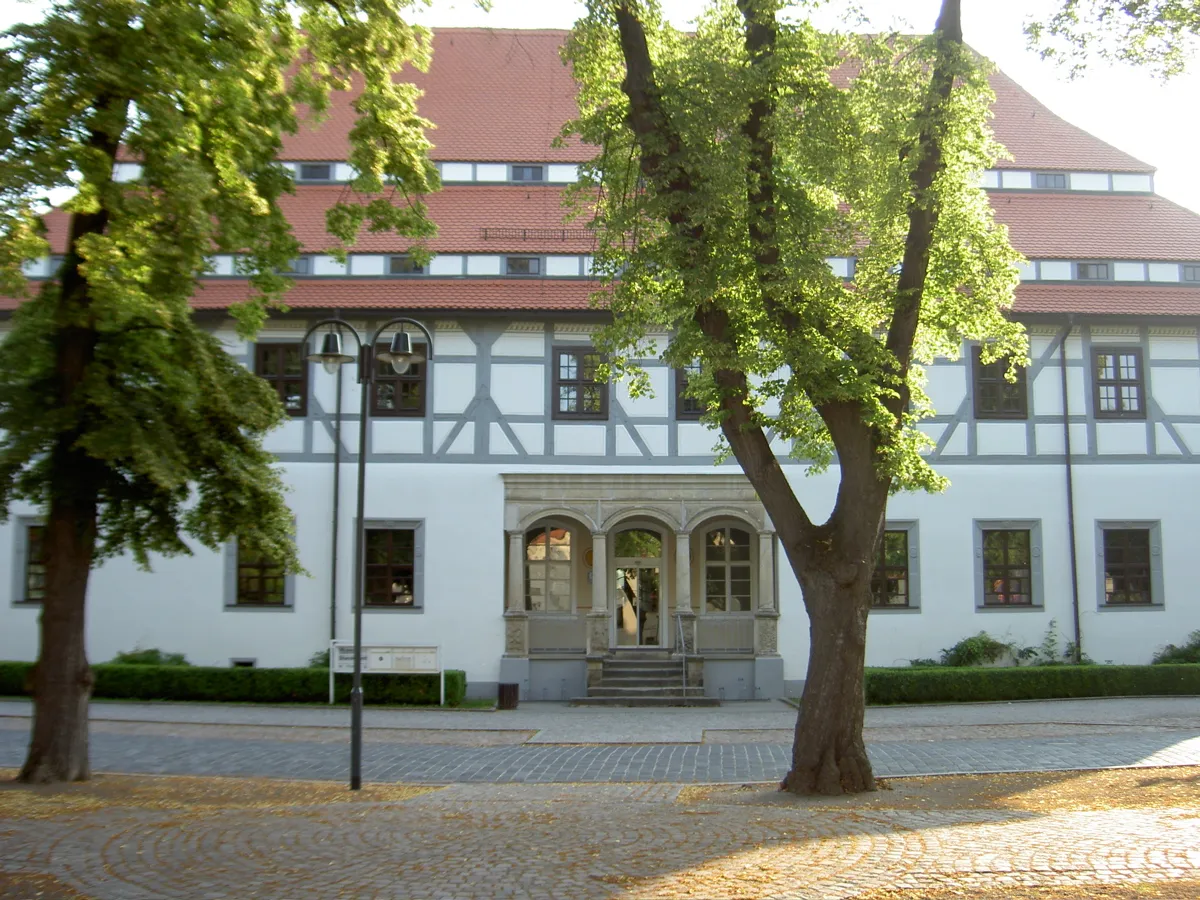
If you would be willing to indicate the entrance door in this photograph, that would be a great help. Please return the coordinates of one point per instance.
(638, 608)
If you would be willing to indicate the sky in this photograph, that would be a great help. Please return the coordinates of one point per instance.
(1122, 105)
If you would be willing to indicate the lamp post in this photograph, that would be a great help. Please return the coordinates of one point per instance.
(401, 355)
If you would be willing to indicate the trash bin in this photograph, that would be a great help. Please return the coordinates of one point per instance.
(508, 696)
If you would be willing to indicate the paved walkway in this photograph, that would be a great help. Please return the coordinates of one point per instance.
(541, 743)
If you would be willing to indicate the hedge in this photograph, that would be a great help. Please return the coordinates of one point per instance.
(965, 685)
(245, 685)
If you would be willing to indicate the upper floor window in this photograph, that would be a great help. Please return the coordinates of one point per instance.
(316, 171)
(528, 173)
(283, 367)
(1056, 181)
(1119, 384)
(1191, 273)
(548, 569)
(522, 265)
(995, 396)
(399, 395)
(1091, 271)
(390, 568)
(890, 581)
(404, 265)
(727, 570)
(687, 407)
(1007, 567)
(33, 578)
(577, 393)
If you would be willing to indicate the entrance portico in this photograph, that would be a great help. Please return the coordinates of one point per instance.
(597, 563)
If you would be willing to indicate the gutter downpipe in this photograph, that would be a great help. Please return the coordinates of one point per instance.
(337, 496)
(1062, 350)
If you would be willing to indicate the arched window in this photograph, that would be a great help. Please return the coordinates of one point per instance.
(727, 570)
(548, 569)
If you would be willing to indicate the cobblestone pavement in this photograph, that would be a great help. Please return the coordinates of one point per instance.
(591, 841)
(541, 763)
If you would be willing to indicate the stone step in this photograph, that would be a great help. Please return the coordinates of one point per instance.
(639, 653)
(644, 691)
(642, 668)
(646, 701)
(623, 677)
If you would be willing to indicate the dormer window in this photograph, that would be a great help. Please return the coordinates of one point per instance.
(1050, 181)
(404, 265)
(1191, 273)
(316, 172)
(528, 173)
(301, 265)
(523, 265)
(1092, 271)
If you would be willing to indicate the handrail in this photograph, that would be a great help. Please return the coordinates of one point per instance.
(682, 645)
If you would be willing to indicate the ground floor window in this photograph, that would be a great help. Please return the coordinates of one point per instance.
(390, 568)
(260, 580)
(1127, 567)
(728, 570)
(548, 569)
(890, 581)
(33, 580)
(1007, 568)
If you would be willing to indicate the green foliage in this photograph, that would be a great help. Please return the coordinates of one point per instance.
(149, 657)
(1188, 653)
(319, 660)
(975, 651)
(841, 172)
(246, 685)
(1160, 34)
(199, 93)
(970, 685)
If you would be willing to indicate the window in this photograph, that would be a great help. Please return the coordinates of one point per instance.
(527, 173)
(399, 395)
(548, 569)
(301, 265)
(31, 563)
(404, 265)
(1091, 271)
(284, 368)
(390, 568)
(1128, 576)
(687, 407)
(316, 171)
(260, 581)
(1118, 389)
(522, 265)
(995, 396)
(1055, 181)
(577, 393)
(1007, 568)
(727, 571)
(1191, 273)
(889, 583)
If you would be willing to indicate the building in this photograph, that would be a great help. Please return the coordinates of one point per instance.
(527, 519)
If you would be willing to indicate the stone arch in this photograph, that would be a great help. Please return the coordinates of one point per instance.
(633, 514)
(572, 516)
(754, 521)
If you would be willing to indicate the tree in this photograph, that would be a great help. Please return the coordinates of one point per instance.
(733, 162)
(1157, 33)
(127, 423)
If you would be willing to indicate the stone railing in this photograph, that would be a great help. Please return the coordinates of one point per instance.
(725, 634)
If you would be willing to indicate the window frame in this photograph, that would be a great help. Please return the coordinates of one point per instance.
(1038, 176)
(394, 257)
(1108, 270)
(682, 413)
(727, 565)
(231, 600)
(280, 381)
(512, 173)
(556, 383)
(572, 561)
(977, 384)
(1037, 595)
(1195, 273)
(301, 178)
(1117, 350)
(305, 270)
(22, 561)
(1153, 527)
(417, 526)
(912, 533)
(533, 258)
(390, 377)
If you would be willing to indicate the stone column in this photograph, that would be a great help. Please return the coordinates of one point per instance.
(766, 614)
(597, 618)
(600, 572)
(516, 623)
(683, 592)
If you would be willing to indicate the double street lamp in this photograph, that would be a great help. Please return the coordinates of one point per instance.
(401, 356)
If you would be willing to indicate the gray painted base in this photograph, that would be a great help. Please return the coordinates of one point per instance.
(482, 690)
(793, 687)
(768, 677)
(729, 679)
(515, 670)
(557, 679)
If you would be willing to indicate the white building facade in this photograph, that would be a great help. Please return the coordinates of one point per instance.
(530, 520)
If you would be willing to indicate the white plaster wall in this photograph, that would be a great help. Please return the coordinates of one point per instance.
(367, 264)
(1176, 391)
(562, 174)
(397, 435)
(1000, 438)
(946, 386)
(1120, 438)
(1140, 183)
(287, 438)
(457, 172)
(1125, 271)
(1164, 271)
(696, 439)
(449, 264)
(1089, 181)
(1055, 270)
(1012, 179)
(562, 266)
(661, 383)
(1049, 438)
(1047, 391)
(579, 440)
(519, 389)
(327, 265)
(453, 387)
(520, 343)
(483, 265)
(452, 342)
(1173, 346)
(532, 436)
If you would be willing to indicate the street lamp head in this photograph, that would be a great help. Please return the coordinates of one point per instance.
(331, 355)
(401, 354)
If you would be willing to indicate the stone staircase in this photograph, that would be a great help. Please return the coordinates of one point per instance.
(643, 676)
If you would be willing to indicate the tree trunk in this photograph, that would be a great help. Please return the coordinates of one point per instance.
(828, 754)
(62, 679)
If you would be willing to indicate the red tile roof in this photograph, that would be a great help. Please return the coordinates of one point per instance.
(1039, 139)
(1108, 300)
(1099, 226)
(493, 93)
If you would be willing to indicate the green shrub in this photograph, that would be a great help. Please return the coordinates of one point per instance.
(975, 651)
(964, 685)
(238, 685)
(319, 660)
(1188, 653)
(150, 657)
